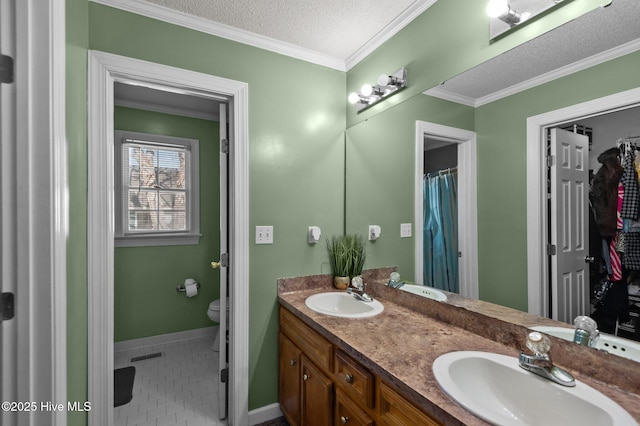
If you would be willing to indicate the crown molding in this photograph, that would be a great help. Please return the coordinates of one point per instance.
(440, 92)
(404, 19)
(599, 58)
(224, 31)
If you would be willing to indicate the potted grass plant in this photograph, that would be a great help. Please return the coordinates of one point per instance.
(346, 258)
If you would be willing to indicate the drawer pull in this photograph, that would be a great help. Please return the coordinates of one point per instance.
(349, 378)
(344, 420)
(305, 377)
(292, 362)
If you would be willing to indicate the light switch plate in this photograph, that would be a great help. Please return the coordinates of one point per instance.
(264, 234)
(405, 230)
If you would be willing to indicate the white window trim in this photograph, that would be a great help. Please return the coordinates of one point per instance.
(193, 215)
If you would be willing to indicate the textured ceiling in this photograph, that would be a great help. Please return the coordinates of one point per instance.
(336, 28)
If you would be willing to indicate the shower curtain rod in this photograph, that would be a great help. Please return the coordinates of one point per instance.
(442, 172)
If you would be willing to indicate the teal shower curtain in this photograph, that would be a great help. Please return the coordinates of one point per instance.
(441, 231)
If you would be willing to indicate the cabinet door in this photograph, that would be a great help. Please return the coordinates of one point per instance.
(289, 383)
(348, 413)
(317, 395)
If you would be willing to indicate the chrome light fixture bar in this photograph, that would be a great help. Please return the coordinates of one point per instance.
(508, 14)
(388, 84)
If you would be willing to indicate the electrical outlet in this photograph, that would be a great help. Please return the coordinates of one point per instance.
(264, 234)
(405, 230)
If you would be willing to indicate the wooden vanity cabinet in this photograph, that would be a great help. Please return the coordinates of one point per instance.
(320, 384)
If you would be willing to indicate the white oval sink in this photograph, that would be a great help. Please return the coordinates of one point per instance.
(496, 389)
(424, 291)
(341, 304)
(606, 342)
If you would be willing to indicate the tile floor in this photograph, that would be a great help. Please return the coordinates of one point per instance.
(180, 388)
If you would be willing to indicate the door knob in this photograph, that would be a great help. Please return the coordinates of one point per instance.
(215, 265)
(589, 259)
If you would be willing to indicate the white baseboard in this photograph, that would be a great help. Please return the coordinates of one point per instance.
(263, 414)
(144, 342)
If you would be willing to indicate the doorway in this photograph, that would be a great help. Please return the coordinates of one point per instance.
(465, 142)
(440, 229)
(104, 70)
(538, 223)
(170, 206)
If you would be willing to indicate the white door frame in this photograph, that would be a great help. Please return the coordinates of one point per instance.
(467, 202)
(34, 224)
(104, 70)
(537, 222)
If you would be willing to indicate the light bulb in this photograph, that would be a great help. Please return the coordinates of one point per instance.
(366, 90)
(384, 80)
(353, 98)
(497, 8)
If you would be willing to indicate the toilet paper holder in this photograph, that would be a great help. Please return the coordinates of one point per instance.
(181, 288)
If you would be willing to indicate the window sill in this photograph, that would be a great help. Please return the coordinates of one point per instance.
(157, 240)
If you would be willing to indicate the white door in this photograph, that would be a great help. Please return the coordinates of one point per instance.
(8, 220)
(569, 225)
(223, 365)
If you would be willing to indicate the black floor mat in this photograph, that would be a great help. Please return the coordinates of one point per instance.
(123, 385)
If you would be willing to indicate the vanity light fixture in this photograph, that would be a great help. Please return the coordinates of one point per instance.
(388, 84)
(502, 10)
(508, 14)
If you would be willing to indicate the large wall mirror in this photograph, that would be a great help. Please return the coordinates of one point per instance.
(508, 104)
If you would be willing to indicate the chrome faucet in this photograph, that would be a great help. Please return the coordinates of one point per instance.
(359, 290)
(586, 333)
(540, 362)
(394, 280)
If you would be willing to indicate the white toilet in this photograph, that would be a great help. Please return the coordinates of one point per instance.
(214, 315)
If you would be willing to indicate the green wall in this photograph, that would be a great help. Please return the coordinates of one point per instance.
(145, 300)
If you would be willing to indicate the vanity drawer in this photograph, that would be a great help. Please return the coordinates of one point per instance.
(348, 413)
(356, 380)
(397, 411)
(319, 350)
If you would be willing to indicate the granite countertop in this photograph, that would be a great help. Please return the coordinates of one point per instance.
(400, 344)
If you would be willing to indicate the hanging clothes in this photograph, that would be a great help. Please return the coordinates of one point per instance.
(604, 191)
(440, 212)
(631, 201)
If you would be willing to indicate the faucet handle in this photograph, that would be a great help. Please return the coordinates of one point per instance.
(538, 343)
(357, 283)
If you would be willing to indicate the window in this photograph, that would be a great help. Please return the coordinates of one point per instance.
(157, 191)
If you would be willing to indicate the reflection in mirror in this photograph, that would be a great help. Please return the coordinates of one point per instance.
(578, 45)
